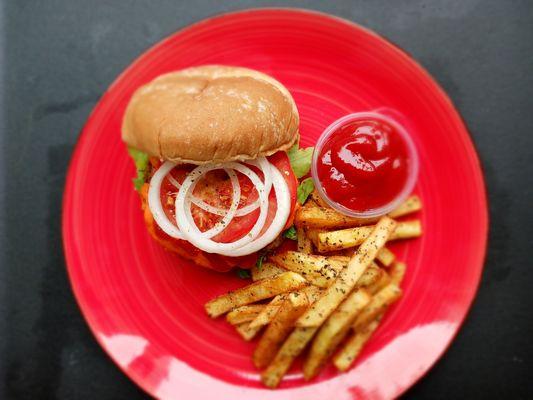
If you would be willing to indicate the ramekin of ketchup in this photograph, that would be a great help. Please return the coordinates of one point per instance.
(365, 164)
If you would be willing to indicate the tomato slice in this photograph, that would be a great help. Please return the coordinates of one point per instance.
(216, 190)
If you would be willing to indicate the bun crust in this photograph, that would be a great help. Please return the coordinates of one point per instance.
(211, 114)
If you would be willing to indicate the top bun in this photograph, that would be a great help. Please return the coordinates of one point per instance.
(211, 113)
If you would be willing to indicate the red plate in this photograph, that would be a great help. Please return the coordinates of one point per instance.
(145, 306)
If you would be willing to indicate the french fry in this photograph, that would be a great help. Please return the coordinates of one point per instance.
(246, 332)
(244, 314)
(333, 331)
(267, 270)
(312, 292)
(291, 348)
(348, 277)
(351, 237)
(382, 280)
(337, 262)
(312, 234)
(347, 355)
(321, 215)
(304, 243)
(316, 269)
(320, 270)
(408, 229)
(318, 298)
(343, 260)
(410, 205)
(341, 239)
(280, 327)
(339, 253)
(260, 290)
(386, 257)
(312, 216)
(315, 196)
(270, 310)
(372, 275)
(397, 272)
(377, 306)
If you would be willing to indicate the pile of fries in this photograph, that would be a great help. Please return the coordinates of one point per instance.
(330, 295)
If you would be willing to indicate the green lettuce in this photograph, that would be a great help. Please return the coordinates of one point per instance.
(243, 273)
(260, 259)
(290, 233)
(304, 190)
(141, 164)
(300, 160)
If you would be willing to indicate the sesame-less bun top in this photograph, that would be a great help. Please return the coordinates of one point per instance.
(211, 113)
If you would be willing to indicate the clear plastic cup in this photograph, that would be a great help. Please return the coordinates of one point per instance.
(390, 118)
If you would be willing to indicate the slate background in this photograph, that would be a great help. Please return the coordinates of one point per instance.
(56, 59)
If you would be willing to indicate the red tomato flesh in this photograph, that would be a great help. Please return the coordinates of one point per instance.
(216, 189)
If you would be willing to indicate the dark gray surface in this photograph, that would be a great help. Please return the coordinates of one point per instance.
(59, 56)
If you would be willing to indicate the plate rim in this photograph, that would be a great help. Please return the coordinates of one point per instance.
(140, 383)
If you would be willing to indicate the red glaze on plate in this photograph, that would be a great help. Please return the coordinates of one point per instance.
(145, 305)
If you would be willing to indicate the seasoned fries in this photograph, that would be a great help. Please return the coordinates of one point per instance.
(397, 272)
(244, 314)
(407, 230)
(311, 216)
(339, 284)
(379, 303)
(304, 243)
(411, 205)
(349, 276)
(318, 214)
(283, 360)
(312, 292)
(246, 332)
(346, 238)
(385, 257)
(316, 199)
(379, 283)
(259, 290)
(266, 315)
(312, 234)
(333, 331)
(267, 270)
(316, 269)
(345, 358)
(372, 275)
(279, 328)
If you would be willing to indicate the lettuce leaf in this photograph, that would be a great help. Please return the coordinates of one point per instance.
(304, 190)
(243, 273)
(290, 233)
(260, 259)
(300, 160)
(141, 164)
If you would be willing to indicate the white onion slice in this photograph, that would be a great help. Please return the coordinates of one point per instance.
(283, 199)
(261, 163)
(191, 231)
(154, 201)
(186, 227)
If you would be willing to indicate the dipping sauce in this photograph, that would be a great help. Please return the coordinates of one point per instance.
(364, 163)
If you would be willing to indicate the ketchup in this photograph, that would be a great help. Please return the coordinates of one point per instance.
(363, 164)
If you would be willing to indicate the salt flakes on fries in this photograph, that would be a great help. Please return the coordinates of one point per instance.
(330, 294)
